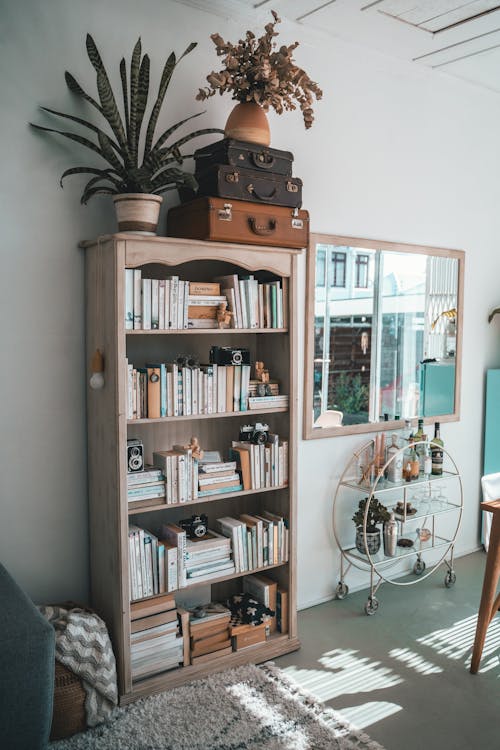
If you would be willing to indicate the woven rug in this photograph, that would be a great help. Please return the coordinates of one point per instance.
(248, 708)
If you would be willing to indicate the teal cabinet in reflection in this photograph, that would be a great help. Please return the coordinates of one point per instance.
(437, 388)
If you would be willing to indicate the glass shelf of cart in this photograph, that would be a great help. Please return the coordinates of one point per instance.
(380, 560)
(383, 485)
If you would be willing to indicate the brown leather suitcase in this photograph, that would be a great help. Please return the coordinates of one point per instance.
(220, 220)
(243, 154)
(226, 181)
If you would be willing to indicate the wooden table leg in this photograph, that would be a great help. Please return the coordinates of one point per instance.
(489, 602)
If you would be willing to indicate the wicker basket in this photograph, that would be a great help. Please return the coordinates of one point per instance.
(69, 704)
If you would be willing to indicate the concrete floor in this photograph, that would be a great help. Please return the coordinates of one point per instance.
(402, 674)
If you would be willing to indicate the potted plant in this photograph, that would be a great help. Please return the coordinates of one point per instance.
(258, 75)
(377, 514)
(136, 183)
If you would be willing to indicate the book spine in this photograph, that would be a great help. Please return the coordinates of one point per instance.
(129, 298)
(137, 299)
(155, 307)
(168, 318)
(161, 304)
(180, 305)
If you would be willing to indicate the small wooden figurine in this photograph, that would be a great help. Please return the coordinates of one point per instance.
(261, 373)
(196, 450)
(223, 315)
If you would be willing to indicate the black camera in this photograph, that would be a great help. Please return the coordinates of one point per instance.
(226, 355)
(135, 455)
(257, 433)
(195, 527)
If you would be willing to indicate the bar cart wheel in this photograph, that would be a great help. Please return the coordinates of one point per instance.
(419, 567)
(342, 590)
(450, 579)
(371, 605)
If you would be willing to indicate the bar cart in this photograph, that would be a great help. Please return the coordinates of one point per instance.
(421, 510)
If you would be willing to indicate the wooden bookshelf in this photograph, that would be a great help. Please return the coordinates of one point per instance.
(108, 429)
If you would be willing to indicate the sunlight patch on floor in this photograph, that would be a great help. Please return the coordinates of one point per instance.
(456, 641)
(344, 673)
(369, 713)
(414, 661)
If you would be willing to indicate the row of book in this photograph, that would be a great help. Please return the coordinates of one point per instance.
(172, 303)
(261, 465)
(156, 643)
(172, 560)
(173, 390)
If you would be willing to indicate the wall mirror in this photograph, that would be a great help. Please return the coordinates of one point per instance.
(383, 335)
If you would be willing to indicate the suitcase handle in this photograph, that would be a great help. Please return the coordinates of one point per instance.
(260, 229)
(252, 189)
(262, 159)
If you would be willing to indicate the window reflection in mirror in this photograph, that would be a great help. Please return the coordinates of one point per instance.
(384, 333)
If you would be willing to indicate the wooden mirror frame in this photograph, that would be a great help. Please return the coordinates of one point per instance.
(309, 433)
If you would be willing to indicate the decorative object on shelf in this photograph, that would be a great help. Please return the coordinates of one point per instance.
(136, 186)
(195, 447)
(96, 381)
(223, 315)
(377, 514)
(228, 355)
(259, 76)
(403, 542)
(187, 360)
(261, 373)
(257, 433)
(248, 609)
(424, 534)
(135, 455)
(404, 508)
(195, 527)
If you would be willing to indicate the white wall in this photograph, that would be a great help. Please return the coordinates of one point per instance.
(396, 153)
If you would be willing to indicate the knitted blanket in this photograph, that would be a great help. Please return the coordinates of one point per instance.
(83, 646)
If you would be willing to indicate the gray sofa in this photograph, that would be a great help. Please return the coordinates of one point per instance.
(27, 645)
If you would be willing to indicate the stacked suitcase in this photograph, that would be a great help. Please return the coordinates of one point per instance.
(246, 194)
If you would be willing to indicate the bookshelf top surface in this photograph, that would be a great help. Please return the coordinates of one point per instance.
(181, 242)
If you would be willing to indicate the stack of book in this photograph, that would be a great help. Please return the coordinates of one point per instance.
(254, 305)
(210, 636)
(217, 477)
(181, 474)
(263, 465)
(170, 303)
(155, 642)
(208, 557)
(153, 567)
(173, 390)
(257, 540)
(268, 402)
(146, 487)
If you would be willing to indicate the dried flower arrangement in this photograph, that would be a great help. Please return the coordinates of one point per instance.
(256, 71)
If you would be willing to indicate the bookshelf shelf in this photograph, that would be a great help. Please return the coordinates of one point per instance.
(205, 499)
(203, 331)
(106, 261)
(221, 415)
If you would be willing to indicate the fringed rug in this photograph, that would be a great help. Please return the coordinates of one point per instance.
(248, 708)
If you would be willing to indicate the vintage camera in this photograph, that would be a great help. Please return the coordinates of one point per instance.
(226, 355)
(135, 455)
(257, 433)
(195, 527)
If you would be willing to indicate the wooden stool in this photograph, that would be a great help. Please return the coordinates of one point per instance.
(489, 602)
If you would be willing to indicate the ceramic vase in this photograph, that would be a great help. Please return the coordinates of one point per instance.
(372, 541)
(248, 122)
(137, 212)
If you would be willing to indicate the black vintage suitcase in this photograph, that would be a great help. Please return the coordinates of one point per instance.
(243, 154)
(231, 182)
(221, 220)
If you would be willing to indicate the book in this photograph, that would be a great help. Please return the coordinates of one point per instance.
(204, 288)
(137, 299)
(282, 610)
(129, 298)
(243, 460)
(177, 537)
(146, 304)
(154, 392)
(220, 490)
(231, 282)
(201, 648)
(143, 623)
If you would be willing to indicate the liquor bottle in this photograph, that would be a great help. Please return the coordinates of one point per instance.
(395, 466)
(405, 434)
(437, 451)
(427, 461)
(415, 462)
(419, 437)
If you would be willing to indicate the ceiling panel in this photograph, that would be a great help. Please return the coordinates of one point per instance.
(436, 16)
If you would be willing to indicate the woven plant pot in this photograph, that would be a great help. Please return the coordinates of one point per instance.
(137, 212)
(68, 715)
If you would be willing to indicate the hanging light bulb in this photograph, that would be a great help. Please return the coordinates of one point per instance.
(96, 381)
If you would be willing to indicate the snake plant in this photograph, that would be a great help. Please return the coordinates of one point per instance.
(160, 169)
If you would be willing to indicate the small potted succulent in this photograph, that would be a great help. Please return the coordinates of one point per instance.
(258, 74)
(136, 183)
(377, 514)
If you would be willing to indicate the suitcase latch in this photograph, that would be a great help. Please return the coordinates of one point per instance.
(225, 214)
(292, 187)
(232, 177)
(296, 222)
